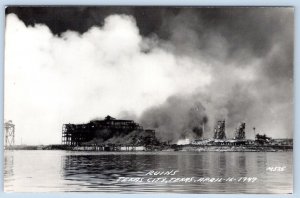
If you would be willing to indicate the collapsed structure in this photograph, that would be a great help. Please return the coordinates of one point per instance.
(240, 132)
(262, 139)
(112, 134)
(219, 136)
(107, 131)
(220, 131)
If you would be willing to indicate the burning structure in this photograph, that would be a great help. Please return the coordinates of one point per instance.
(107, 131)
(240, 132)
(262, 139)
(219, 137)
(111, 134)
(220, 131)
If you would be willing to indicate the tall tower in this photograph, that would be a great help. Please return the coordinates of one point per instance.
(220, 131)
(240, 132)
(9, 134)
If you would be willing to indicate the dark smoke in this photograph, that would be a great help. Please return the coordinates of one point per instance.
(179, 117)
(249, 52)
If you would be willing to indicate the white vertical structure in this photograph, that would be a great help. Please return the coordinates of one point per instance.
(9, 134)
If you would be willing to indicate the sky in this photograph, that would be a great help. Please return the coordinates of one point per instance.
(174, 69)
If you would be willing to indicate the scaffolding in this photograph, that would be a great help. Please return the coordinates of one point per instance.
(9, 135)
(79, 134)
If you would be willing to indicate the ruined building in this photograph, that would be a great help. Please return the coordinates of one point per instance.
(219, 132)
(240, 132)
(107, 131)
(262, 139)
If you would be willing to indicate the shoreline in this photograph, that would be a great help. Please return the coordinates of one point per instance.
(173, 148)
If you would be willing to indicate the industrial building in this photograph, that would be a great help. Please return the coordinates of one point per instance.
(107, 131)
(112, 134)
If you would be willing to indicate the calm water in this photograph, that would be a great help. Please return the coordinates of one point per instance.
(54, 171)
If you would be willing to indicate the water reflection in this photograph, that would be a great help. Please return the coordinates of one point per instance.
(8, 172)
(49, 171)
(8, 165)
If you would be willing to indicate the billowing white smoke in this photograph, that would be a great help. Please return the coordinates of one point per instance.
(51, 80)
(178, 85)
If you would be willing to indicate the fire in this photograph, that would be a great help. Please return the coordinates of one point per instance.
(183, 141)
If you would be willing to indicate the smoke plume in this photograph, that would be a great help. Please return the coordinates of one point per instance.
(178, 75)
(251, 67)
(177, 118)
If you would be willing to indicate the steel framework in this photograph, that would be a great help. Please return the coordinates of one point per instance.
(220, 130)
(240, 132)
(9, 134)
(78, 134)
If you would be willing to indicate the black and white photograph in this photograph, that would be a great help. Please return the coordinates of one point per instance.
(149, 99)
